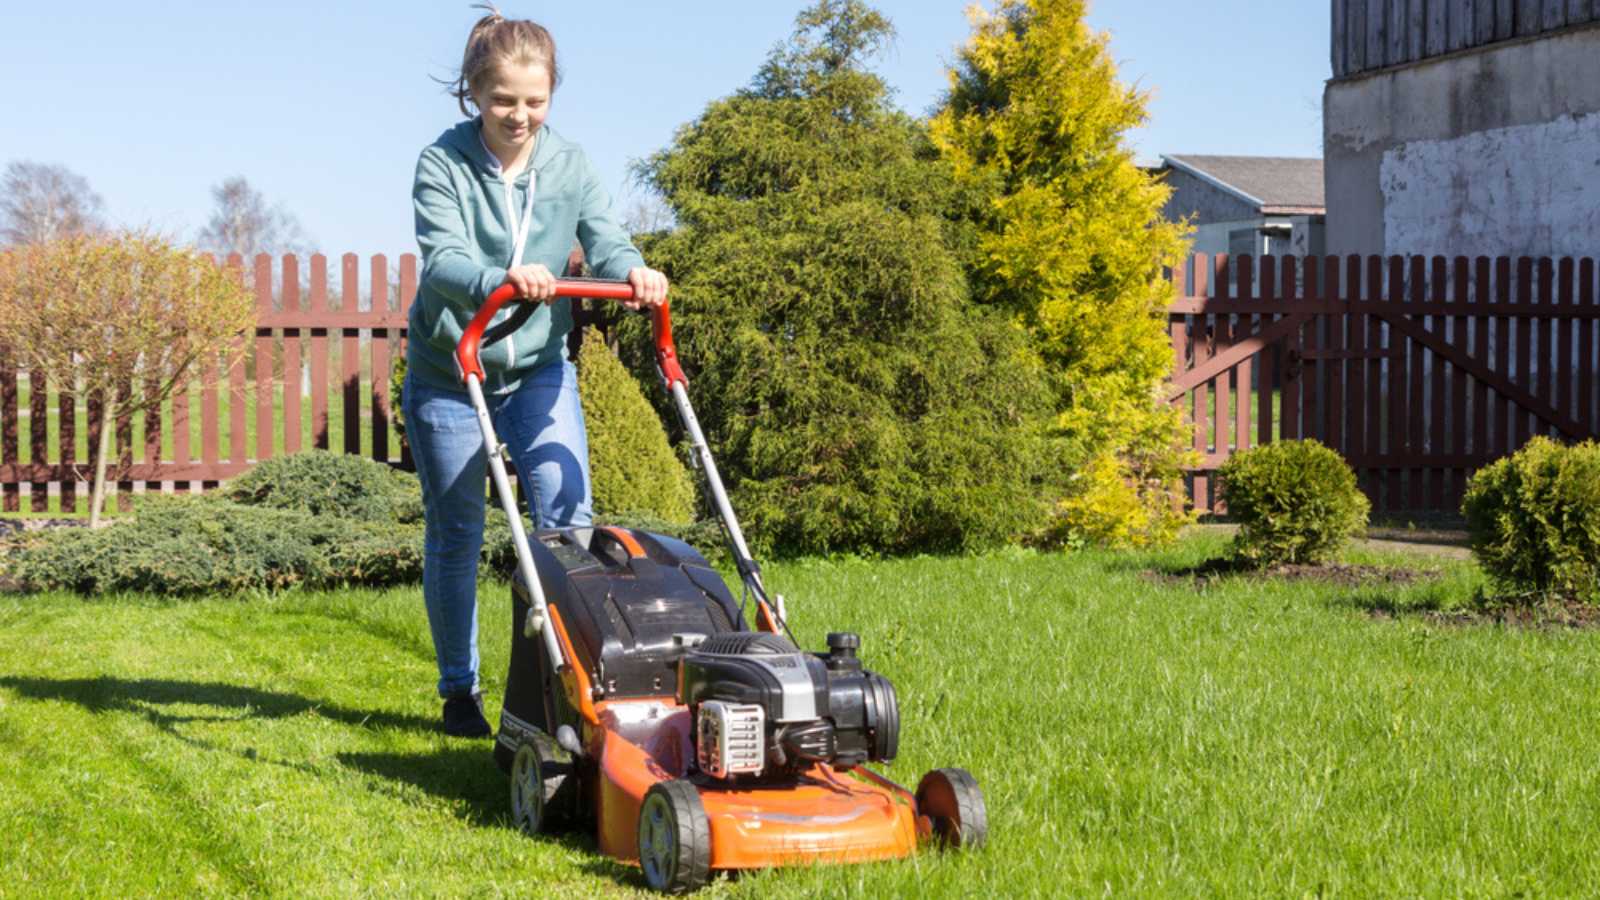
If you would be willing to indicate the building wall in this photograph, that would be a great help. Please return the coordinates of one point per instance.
(1260, 236)
(1373, 34)
(1492, 151)
(1197, 199)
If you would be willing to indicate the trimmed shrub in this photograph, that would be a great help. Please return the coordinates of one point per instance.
(181, 545)
(317, 519)
(189, 546)
(324, 484)
(1295, 501)
(1534, 519)
(397, 383)
(632, 467)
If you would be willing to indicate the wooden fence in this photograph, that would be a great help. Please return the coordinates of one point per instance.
(1418, 370)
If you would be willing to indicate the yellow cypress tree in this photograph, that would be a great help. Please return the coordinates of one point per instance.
(1071, 241)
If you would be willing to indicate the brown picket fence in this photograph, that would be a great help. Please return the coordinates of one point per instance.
(1418, 370)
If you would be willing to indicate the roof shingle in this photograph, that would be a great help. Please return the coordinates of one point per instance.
(1273, 181)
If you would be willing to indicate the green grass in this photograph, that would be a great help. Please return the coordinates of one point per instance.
(1133, 736)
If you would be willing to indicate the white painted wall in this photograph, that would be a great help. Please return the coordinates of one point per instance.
(1497, 147)
(1488, 191)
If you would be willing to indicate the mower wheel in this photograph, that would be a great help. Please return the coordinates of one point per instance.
(540, 788)
(951, 800)
(674, 838)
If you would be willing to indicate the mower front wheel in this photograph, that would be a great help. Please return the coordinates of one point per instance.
(674, 838)
(953, 804)
(539, 789)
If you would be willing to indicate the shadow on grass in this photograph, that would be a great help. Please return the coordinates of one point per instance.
(1390, 604)
(146, 696)
(465, 776)
(467, 779)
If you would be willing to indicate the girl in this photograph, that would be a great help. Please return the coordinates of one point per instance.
(500, 198)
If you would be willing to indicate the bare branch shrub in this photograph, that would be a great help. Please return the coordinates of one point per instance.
(123, 317)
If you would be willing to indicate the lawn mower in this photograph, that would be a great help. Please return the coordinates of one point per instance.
(640, 702)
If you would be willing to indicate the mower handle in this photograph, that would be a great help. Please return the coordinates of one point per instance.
(472, 340)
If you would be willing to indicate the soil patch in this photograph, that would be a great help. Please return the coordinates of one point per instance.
(1554, 615)
(1342, 574)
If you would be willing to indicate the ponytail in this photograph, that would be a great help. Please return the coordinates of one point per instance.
(496, 40)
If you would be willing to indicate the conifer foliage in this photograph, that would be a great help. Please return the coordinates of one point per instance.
(857, 400)
(632, 467)
(1072, 244)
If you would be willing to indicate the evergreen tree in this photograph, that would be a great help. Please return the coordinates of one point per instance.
(1071, 242)
(855, 398)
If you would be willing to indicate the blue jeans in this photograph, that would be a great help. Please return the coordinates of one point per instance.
(541, 424)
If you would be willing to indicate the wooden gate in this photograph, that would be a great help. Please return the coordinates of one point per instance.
(1418, 370)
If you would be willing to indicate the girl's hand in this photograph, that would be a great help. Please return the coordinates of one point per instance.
(534, 282)
(649, 288)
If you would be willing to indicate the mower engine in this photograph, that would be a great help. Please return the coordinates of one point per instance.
(761, 706)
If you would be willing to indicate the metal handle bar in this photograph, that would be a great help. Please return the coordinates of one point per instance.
(479, 334)
(474, 339)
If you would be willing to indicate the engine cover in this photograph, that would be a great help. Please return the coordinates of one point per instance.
(813, 707)
(757, 668)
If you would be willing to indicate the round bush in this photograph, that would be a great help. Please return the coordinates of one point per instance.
(1534, 519)
(1295, 501)
(340, 485)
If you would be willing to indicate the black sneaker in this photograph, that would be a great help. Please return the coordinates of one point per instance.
(463, 716)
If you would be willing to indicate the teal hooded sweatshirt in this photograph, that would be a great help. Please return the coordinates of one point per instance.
(464, 229)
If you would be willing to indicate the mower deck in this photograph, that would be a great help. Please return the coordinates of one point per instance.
(820, 815)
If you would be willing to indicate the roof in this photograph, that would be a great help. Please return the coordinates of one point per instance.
(1276, 184)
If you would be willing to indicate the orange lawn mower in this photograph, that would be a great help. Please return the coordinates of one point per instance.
(640, 704)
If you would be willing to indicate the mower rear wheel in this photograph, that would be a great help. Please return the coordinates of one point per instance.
(953, 803)
(539, 789)
(674, 838)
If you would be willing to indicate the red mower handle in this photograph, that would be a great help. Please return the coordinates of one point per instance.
(468, 363)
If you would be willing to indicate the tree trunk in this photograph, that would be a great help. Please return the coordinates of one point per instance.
(108, 424)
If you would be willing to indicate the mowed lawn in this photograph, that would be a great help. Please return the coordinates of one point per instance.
(1134, 735)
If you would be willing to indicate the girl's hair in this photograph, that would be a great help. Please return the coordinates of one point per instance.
(496, 40)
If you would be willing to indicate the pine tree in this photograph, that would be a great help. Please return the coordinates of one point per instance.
(1071, 242)
(856, 399)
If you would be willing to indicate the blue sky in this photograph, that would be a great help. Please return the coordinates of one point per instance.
(324, 106)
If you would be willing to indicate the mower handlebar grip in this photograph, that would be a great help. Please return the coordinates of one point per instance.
(467, 349)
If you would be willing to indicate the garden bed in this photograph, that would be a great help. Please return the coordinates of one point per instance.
(1332, 573)
(1555, 614)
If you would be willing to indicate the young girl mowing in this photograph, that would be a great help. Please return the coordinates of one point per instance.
(500, 198)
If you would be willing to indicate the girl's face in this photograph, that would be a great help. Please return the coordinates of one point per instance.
(514, 100)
